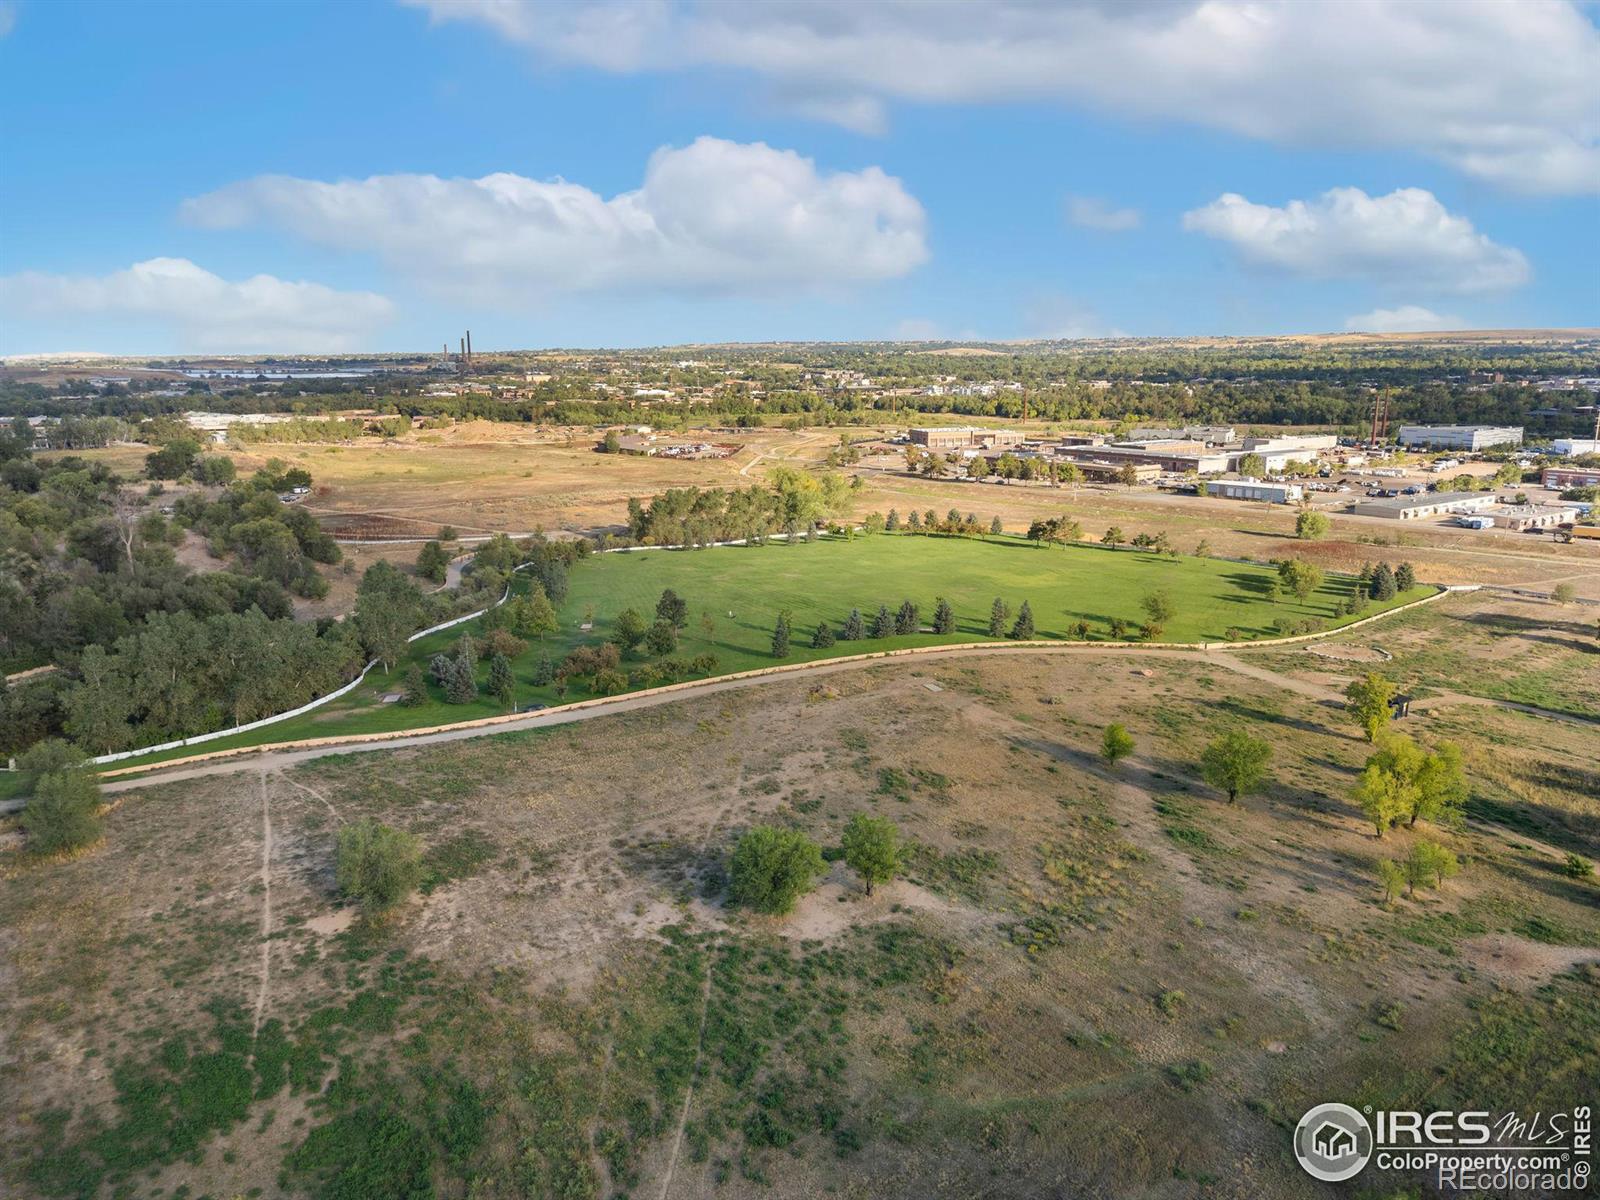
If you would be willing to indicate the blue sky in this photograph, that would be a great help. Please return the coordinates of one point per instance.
(373, 176)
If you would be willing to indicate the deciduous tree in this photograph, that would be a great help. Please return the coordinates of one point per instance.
(872, 848)
(1235, 762)
(772, 868)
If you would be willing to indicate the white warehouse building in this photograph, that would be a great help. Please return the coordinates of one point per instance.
(1459, 437)
(1251, 489)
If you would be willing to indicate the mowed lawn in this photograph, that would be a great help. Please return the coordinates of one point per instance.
(735, 594)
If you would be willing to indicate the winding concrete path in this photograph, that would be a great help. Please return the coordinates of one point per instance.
(1229, 660)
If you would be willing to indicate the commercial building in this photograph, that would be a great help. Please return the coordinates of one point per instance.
(1459, 437)
(1111, 472)
(1251, 489)
(1417, 508)
(1528, 516)
(1569, 447)
(1570, 477)
(960, 437)
(1166, 457)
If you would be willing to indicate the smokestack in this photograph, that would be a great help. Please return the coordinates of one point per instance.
(469, 349)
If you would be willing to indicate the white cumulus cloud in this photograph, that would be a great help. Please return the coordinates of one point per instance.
(1408, 318)
(1504, 91)
(208, 312)
(1405, 237)
(713, 216)
(1090, 212)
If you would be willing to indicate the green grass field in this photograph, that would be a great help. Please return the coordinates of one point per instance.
(735, 594)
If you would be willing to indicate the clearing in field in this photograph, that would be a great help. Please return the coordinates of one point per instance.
(735, 595)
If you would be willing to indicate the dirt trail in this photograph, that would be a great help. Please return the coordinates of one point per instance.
(694, 1073)
(266, 907)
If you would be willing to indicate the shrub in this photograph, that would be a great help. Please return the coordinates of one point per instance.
(1116, 744)
(1576, 866)
(378, 865)
(772, 868)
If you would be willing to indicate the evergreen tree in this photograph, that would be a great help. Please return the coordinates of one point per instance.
(461, 687)
(1023, 629)
(930, 519)
(996, 528)
(544, 670)
(893, 521)
(502, 685)
(1405, 578)
(999, 613)
(944, 617)
(905, 620)
(854, 628)
(823, 637)
(672, 608)
(883, 623)
(914, 521)
(1383, 585)
(413, 690)
(780, 636)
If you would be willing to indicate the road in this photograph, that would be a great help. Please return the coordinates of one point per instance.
(1230, 660)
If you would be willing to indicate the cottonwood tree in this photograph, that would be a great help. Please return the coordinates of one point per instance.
(772, 868)
(1116, 743)
(433, 561)
(388, 608)
(1392, 878)
(1235, 763)
(872, 848)
(1311, 526)
(532, 615)
(377, 865)
(63, 811)
(1429, 865)
(1300, 577)
(1112, 536)
(1369, 702)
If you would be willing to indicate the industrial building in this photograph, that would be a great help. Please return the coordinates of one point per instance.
(1570, 477)
(962, 437)
(1417, 508)
(1206, 435)
(1570, 447)
(1315, 442)
(1458, 437)
(1251, 489)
